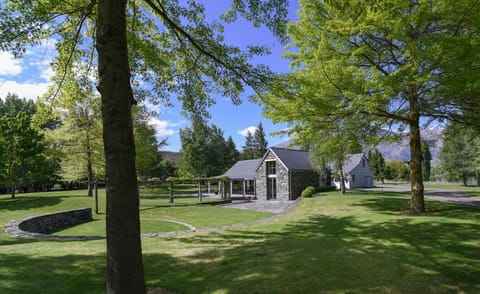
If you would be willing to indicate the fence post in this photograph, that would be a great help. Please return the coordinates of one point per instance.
(200, 191)
(170, 200)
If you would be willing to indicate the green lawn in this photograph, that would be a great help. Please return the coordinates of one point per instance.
(473, 191)
(359, 243)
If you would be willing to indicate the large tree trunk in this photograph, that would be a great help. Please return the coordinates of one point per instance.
(124, 252)
(417, 203)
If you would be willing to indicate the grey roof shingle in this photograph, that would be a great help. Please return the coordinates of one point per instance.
(293, 159)
(243, 169)
(352, 161)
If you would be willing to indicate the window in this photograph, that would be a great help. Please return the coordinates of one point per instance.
(363, 162)
(271, 168)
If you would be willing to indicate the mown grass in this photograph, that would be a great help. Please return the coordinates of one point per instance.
(359, 243)
(473, 191)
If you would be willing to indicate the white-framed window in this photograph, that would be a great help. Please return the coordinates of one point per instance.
(271, 168)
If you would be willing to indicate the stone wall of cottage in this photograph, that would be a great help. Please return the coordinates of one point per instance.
(301, 180)
(282, 179)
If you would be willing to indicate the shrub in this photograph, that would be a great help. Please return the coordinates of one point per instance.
(326, 189)
(308, 192)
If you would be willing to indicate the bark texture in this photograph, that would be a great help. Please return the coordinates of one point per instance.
(417, 203)
(124, 253)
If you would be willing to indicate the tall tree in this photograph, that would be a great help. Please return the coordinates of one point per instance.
(77, 133)
(174, 48)
(22, 150)
(11, 104)
(232, 154)
(377, 164)
(204, 151)
(261, 142)
(427, 158)
(148, 157)
(460, 155)
(250, 147)
(392, 61)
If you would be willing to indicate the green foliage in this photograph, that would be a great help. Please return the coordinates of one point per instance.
(22, 151)
(148, 159)
(308, 192)
(215, 259)
(255, 144)
(168, 49)
(460, 155)
(363, 65)
(377, 164)
(232, 155)
(427, 158)
(76, 134)
(205, 153)
(11, 104)
(397, 170)
(325, 188)
(248, 150)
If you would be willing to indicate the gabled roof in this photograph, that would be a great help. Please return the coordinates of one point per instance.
(243, 169)
(293, 159)
(352, 162)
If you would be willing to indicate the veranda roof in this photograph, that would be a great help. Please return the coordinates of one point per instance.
(243, 169)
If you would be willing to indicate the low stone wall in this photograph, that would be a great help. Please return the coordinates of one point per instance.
(37, 226)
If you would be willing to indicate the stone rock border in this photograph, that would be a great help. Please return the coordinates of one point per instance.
(35, 227)
(228, 227)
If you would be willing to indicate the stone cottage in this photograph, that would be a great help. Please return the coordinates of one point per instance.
(282, 174)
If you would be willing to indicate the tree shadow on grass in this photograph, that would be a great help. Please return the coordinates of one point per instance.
(326, 254)
(28, 202)
(396, 203)
(80, 274)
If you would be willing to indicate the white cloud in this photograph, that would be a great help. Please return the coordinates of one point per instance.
(10, 65)
(162, 127)
(46, 73)
(27, 90)
(250, 129)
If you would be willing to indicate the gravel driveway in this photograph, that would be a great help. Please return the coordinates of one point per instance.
(453, 196)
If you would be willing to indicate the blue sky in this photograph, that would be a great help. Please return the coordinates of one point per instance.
(29, 77)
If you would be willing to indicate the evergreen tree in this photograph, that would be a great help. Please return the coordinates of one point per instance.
(460, 154)
(377, 164)
(250, 147)
(204, 151)
(232, 154)
(261, 143)
(427, 158)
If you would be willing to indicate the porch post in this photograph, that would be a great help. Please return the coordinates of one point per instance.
(231, 188)
(244, 188)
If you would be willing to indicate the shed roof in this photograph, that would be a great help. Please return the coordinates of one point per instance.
(243, 169)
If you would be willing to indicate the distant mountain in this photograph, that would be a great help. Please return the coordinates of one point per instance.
(170, 156)
(401, 150)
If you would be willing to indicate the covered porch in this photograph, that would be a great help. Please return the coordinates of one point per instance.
(242, 177)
